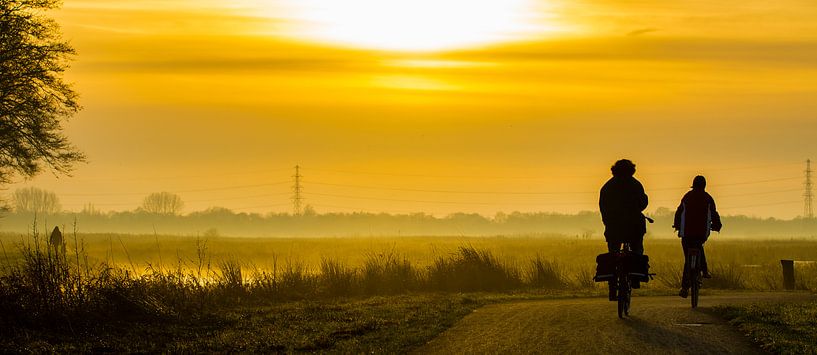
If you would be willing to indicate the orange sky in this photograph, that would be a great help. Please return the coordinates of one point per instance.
(525, 110)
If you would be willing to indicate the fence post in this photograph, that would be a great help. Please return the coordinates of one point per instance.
(788, 274)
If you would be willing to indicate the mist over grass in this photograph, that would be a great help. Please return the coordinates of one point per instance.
(224, 222)
(307, 268)
(189, 282)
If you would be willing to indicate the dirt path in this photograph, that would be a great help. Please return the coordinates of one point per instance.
(657, 325)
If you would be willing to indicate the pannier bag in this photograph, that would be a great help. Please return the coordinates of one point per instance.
(605, 267)
(637, 266)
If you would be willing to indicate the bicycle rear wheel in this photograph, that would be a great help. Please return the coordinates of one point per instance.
(696, 287)
(694, 279)
(624, 292)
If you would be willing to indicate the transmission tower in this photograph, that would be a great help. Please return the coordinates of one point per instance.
(297, 189)
(808, 210)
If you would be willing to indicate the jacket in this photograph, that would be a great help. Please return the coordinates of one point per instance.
(697, 215)
(621, 201)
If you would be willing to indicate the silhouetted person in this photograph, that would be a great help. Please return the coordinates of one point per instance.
(56, 241)
(621, 202)
(695, 217)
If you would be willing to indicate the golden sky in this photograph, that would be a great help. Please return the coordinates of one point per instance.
(439, 106)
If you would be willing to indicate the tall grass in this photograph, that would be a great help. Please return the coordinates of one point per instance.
(45, 283)
(337, 278)
(388, 273)
(471, 269)
(726, 276)
(546, 274)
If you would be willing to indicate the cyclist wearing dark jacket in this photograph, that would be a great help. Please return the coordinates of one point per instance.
(621, 202)
(694, 218)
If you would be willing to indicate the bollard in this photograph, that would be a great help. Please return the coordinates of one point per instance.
(788, 274)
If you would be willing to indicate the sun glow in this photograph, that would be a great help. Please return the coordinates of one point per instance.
(417, 25)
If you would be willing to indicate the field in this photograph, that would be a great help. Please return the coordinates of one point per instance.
(326, 294)
(736, 264)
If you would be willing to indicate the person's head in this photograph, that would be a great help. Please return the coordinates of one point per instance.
(623, 167)
(699, 182)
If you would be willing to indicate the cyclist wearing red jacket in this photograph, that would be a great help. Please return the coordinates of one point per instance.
(695, 217)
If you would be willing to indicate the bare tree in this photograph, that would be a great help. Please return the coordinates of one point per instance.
(35, 102)
(163, 203)
(35, 200)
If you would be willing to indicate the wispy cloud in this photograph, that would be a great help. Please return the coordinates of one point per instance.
(642, 31)
(635, 48)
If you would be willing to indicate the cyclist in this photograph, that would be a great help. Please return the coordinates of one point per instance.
(695, 217)
(621, 202)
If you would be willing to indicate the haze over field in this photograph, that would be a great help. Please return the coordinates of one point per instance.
(439, 106)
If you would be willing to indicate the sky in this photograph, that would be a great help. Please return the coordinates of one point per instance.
(439, 106)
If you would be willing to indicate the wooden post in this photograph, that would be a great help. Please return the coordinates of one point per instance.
(788, 274)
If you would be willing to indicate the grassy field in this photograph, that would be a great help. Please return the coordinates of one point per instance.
(737, 264)
(788, 328)
(387, 294)
(392, 324)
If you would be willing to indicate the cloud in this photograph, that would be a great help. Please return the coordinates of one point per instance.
(642, 31)
(638, 48)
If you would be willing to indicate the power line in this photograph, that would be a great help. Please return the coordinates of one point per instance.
(177, 177)
(750, 167)
(528, 177)
(436, 201)
(224, 188)
(262, 206)
(759, 193)
(365, 210)
(762, 204)
(239, 198)
(448, 191)
(368, 187)
(757, 181)
(349, 172)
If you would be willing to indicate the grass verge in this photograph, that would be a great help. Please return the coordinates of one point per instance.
(380, 324)
(785, 328)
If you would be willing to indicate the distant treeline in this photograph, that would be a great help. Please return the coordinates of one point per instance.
(224, 222)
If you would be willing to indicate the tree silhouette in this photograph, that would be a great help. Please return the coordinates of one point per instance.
(35, 200)
(34, 99)
(163, 203)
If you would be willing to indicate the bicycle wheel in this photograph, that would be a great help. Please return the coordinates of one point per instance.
(696, 287)
(694, 279)
(623, 296)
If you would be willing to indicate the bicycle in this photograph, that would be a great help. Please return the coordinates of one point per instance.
(624, 289)
(625, 275)
(695, 274)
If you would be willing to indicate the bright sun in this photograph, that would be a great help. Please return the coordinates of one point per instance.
(416, 25)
